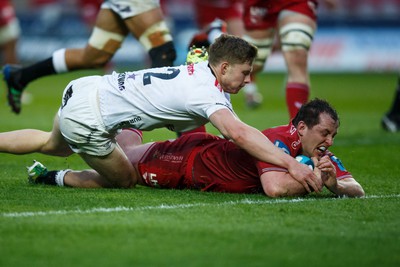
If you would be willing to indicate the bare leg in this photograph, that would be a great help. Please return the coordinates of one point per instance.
(114, 168)
(137, 25)
(30, 141)
(90, 57)
(128, 140)
(86, 179)
(9, 50)
(296, 60)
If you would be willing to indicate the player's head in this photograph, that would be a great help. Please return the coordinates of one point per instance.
(309, 112)
(231, 59)
(231, 49)
(317, 123)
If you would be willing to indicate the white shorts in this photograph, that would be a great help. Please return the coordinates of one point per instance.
(129, 8)
(80, 119)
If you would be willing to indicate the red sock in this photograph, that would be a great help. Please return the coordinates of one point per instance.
(296, 95)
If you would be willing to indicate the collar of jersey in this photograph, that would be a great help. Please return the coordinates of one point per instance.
(216, 81)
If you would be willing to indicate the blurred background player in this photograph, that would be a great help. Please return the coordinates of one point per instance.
(116, 18)
(207, 12)
(294, 23)
(9, 33)
(391, 120)
(214, 17)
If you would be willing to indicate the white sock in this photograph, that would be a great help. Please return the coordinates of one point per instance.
(60, 177)
(59, 63)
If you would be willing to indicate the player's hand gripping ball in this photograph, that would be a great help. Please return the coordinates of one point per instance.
(305, 160)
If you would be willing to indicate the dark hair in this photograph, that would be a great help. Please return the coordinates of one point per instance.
(232, 49)
(309, 112)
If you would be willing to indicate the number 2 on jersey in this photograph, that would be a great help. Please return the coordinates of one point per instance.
(165, 76)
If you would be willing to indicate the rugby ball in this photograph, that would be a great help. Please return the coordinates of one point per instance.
(305, 160)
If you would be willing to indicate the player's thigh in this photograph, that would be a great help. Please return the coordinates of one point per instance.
(287, 17)
(56, 145)
(138, 24)
(296, 33)
(263, 39)
(106, 38)
(110, 21)
(114, 167)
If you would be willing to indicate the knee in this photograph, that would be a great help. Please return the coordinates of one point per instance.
(128, 182)
(274, 190)
(163, 55)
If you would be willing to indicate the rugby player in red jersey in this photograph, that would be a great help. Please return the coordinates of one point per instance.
(205, 162)
(294, 23)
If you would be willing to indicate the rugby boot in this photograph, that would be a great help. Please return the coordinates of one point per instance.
(36, 173)
(11, 76)
(391, 123)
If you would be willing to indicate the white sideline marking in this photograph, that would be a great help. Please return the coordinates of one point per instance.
(178, 206)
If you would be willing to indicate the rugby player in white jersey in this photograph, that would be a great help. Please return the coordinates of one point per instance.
(94, 109)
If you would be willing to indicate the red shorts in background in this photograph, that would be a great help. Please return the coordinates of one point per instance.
(263, 14)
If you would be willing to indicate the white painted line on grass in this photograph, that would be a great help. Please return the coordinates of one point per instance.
(177, 206)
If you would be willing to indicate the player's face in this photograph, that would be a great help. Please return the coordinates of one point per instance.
(235, 77)
(318, 139)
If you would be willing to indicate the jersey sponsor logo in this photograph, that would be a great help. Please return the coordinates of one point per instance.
(282, 146)
(190, 69)
(150, 179)
(130, 122)
(171, 158)
(66, 97)
(296, 144)
(135, 119)
(132, 76)
(121, 81)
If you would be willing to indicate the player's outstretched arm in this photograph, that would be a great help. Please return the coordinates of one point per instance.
(260, 147)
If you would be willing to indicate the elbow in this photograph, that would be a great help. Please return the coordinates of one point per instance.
(275, 192)
(239, 136)
(356, 192)
(359, 192)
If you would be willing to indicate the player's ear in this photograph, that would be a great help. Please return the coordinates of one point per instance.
(301, 127)
(224, 67)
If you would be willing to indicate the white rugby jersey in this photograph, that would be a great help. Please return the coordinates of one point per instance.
(180, 98)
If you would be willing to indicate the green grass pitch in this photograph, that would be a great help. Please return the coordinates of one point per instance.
(50, 226)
